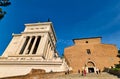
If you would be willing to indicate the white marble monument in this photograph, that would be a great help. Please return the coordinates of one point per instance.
(34, 48)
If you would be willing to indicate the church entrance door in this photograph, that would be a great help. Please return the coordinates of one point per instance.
(91, 67)
(91, 70)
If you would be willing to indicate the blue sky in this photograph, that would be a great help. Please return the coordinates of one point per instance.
(71, 19)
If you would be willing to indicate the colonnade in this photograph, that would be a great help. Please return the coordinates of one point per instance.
(29, 45)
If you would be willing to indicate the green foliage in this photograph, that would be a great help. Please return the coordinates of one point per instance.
(117, 66)
(3, 3)
(116, 69)
(0, 10)
(118, 51)
(1, 14)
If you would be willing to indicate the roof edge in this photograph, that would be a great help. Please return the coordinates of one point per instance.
(85, 38)
(39, 23)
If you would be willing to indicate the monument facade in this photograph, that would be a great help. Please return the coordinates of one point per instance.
(34, 48)
(90, 54)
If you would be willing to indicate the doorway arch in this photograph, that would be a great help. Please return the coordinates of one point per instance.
(90, 67)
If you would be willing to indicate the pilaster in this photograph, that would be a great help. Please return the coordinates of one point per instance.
(48, 51)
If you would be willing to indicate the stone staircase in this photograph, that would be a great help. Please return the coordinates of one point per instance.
(88, 76)
(63, 76)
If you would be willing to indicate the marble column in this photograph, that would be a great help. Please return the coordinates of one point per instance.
(33, 46)
(26, 48)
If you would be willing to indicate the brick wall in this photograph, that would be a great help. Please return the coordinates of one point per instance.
(101, 55)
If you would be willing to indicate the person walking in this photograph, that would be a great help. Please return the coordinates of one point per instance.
(78, 71)
(97, 71)
(84, 72)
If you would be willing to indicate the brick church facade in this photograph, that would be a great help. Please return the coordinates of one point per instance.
(90, 54)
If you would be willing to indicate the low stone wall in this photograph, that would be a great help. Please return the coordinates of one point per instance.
(33, 74)
(36, 74)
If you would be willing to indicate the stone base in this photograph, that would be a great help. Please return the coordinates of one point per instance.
(14, 68)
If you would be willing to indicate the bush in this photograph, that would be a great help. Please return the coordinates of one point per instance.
(117, 66)
(116, 69)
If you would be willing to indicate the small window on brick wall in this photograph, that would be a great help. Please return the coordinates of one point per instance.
(86, 42)
(88, 51)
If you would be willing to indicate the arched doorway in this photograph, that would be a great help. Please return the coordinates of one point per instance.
(91, 67)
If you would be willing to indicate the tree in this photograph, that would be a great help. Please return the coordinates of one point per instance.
(118, 51)
(3, 3)
(2, 13)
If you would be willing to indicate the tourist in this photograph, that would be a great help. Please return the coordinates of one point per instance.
(65, 72)
(78, 71)
(68, 71)
(84, 72)
(97, 71)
